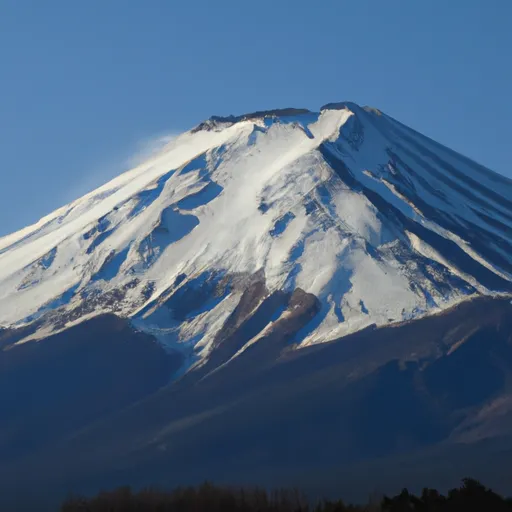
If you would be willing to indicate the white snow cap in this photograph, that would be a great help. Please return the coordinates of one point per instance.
(379, 222)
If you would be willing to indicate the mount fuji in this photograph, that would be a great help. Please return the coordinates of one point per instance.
(265, 281)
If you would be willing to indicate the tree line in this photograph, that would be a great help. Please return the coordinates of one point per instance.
(471, 496)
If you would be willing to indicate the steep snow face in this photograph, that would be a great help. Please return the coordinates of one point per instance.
(380, 223)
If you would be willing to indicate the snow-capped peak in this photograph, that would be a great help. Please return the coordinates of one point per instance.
(379, 223)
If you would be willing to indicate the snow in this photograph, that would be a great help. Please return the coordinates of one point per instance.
(291, 197)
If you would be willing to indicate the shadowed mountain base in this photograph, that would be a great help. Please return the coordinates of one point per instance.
(383, 407)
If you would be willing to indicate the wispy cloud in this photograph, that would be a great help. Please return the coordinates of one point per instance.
(149, 147)
(107, 170)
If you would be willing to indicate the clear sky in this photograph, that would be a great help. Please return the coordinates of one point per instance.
(84, 85)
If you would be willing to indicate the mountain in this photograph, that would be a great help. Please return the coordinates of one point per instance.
(270, 293)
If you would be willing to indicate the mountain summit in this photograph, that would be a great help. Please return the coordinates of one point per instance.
(248, 241)
(377, 222)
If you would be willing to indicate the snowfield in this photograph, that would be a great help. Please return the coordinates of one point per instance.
(380, 223)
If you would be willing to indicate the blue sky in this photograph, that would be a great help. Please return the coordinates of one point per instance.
(85, 85)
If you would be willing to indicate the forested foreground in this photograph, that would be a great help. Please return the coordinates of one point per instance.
(470, 496)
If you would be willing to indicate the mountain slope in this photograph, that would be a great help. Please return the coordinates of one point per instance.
(333, 281)
(343, 413)
(378, 222)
